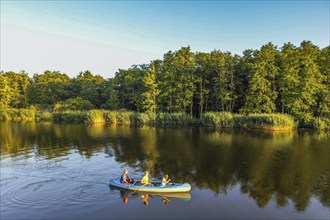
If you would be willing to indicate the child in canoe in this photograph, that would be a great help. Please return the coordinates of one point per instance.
(145, 179)
(165, 180)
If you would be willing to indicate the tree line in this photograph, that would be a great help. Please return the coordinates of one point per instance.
(291, 79)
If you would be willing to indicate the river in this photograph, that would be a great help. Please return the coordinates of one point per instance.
(62, 171)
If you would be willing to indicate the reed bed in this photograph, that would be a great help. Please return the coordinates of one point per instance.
(70, 116)
(140, 119)
(111, 117)
(264, 121)
(209, 119)
(43, 116)
(123, 117)
(95, 116)
(218, 119)
(175, 119)
(22, 114)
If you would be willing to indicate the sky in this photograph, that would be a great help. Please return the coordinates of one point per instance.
(104, 36)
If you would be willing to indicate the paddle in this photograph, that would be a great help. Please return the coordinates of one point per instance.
(139, 188)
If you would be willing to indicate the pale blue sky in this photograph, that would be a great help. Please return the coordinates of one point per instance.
(102, 36)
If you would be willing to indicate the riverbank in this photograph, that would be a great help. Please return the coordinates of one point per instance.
(209, 119)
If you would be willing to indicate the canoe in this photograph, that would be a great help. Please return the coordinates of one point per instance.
(156, 187)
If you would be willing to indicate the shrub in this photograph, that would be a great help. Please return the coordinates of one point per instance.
(74, 104)
(70, 116)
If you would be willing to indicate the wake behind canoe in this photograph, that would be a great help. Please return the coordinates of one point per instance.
(174, 187)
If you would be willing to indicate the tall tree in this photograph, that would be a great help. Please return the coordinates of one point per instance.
(130, 87)
(223, 69)
(48, 88)
(323, 96)
(261, 93)
(310, 78)
(203, 81)
(178, 80)
(110, 94)
(289, 79)
(151, 88)
(19, 82)
(90, 87)
(166, 82)
(6, 92)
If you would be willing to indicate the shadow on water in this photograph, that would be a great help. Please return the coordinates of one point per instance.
(267, 166)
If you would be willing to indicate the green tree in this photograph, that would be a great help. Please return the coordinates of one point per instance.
(19, 82)
(110, 94)
(289, 79)
(130, 87)
(90, 87)
(223, 69)
(323, 96)
(177, 81)
(48, 88)
(310, 79)
(6, 92)
(243, 69)
(151, 89)
(261, 93)
(166, 82)
(203, 80)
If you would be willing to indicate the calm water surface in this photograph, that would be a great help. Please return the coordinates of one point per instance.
(52, 171)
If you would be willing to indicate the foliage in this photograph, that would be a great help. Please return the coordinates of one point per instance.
(48, 88)
(73, 104)
(184, 85)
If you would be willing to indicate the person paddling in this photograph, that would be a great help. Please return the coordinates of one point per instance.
(125, 179)
(145, 178)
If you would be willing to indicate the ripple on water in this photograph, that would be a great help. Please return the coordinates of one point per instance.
(23, 192)
(88, 193)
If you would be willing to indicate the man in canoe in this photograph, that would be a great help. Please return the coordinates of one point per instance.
(125, 179)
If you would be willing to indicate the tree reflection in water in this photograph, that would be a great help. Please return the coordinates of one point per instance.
(267, 166)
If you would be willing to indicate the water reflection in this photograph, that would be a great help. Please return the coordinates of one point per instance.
(281, 167)
(147, 198)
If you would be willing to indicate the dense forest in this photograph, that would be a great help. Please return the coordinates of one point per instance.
(290, 80)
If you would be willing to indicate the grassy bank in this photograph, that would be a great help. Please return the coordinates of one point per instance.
(209, 119)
